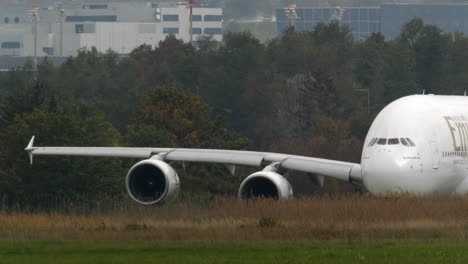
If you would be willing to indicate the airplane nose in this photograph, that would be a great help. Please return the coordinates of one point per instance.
(387, 172)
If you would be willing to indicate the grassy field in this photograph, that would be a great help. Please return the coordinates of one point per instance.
(349, 219)
(141, 252)
(346, 229)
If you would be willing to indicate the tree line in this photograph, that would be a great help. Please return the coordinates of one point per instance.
(300, 93)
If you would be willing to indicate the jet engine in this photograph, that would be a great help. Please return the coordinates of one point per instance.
(151, 182)
(267, 184)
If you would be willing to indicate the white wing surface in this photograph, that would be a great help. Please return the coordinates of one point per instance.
(345, 171)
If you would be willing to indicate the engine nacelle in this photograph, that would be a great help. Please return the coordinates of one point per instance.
(152, 182)
(267, 184)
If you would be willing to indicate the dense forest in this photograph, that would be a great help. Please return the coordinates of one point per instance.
(300, 93)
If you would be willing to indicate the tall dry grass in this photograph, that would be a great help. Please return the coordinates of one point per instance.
(344, 218)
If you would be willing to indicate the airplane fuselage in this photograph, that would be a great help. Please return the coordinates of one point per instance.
(418, 144)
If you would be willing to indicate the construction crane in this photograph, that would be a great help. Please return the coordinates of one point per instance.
(190, 4)
(291, 14)
(61, 20)
(33, 14)
(337, 14)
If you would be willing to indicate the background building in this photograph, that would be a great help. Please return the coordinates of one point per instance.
(65, 28)
(361, 20)
(386, 19)
(448, 17)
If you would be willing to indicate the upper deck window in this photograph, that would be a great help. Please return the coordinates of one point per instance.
(382, 141)
(393, 141)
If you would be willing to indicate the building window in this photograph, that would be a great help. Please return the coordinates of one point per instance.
(196, 31)
(48, 50)
(213, 31)
(11, 45)
(171, 31)
(196, 18)
(170, 17)
(79, 28)
(85, 28)
(91, 18)
(6, 20)
(213, 18)
(94, 6)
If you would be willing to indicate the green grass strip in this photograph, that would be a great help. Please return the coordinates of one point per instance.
(135, 252)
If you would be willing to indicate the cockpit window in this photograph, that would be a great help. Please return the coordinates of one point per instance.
(404, 142)
(382, 141)
(411, 142)
(372, 142)
(392, 141)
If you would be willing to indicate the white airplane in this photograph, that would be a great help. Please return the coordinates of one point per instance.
(417, 144)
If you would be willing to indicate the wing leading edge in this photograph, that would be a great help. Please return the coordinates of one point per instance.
(345, 171)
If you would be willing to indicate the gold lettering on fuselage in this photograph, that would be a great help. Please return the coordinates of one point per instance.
(458, 126)
(461, 133)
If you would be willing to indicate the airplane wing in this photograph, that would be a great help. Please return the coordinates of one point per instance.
(345, 171)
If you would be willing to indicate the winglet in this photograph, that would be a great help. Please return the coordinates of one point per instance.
(30, 149)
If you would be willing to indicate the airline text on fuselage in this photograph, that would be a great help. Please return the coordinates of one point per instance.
(458, 126)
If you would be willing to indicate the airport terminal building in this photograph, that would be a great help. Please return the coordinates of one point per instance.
(386, 19)
(64, 28)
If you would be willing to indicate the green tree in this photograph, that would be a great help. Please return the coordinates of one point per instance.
(171, 62)
(369, 68)
(317, 99)
(169, 118)
(411, 31)
(237, 68)
(185, 119)
(430, 47)
(401, 77)
(58, 182)
(431, 59)
(457, 81)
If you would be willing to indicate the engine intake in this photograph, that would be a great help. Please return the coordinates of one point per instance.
(152, 182)
(265, 184)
